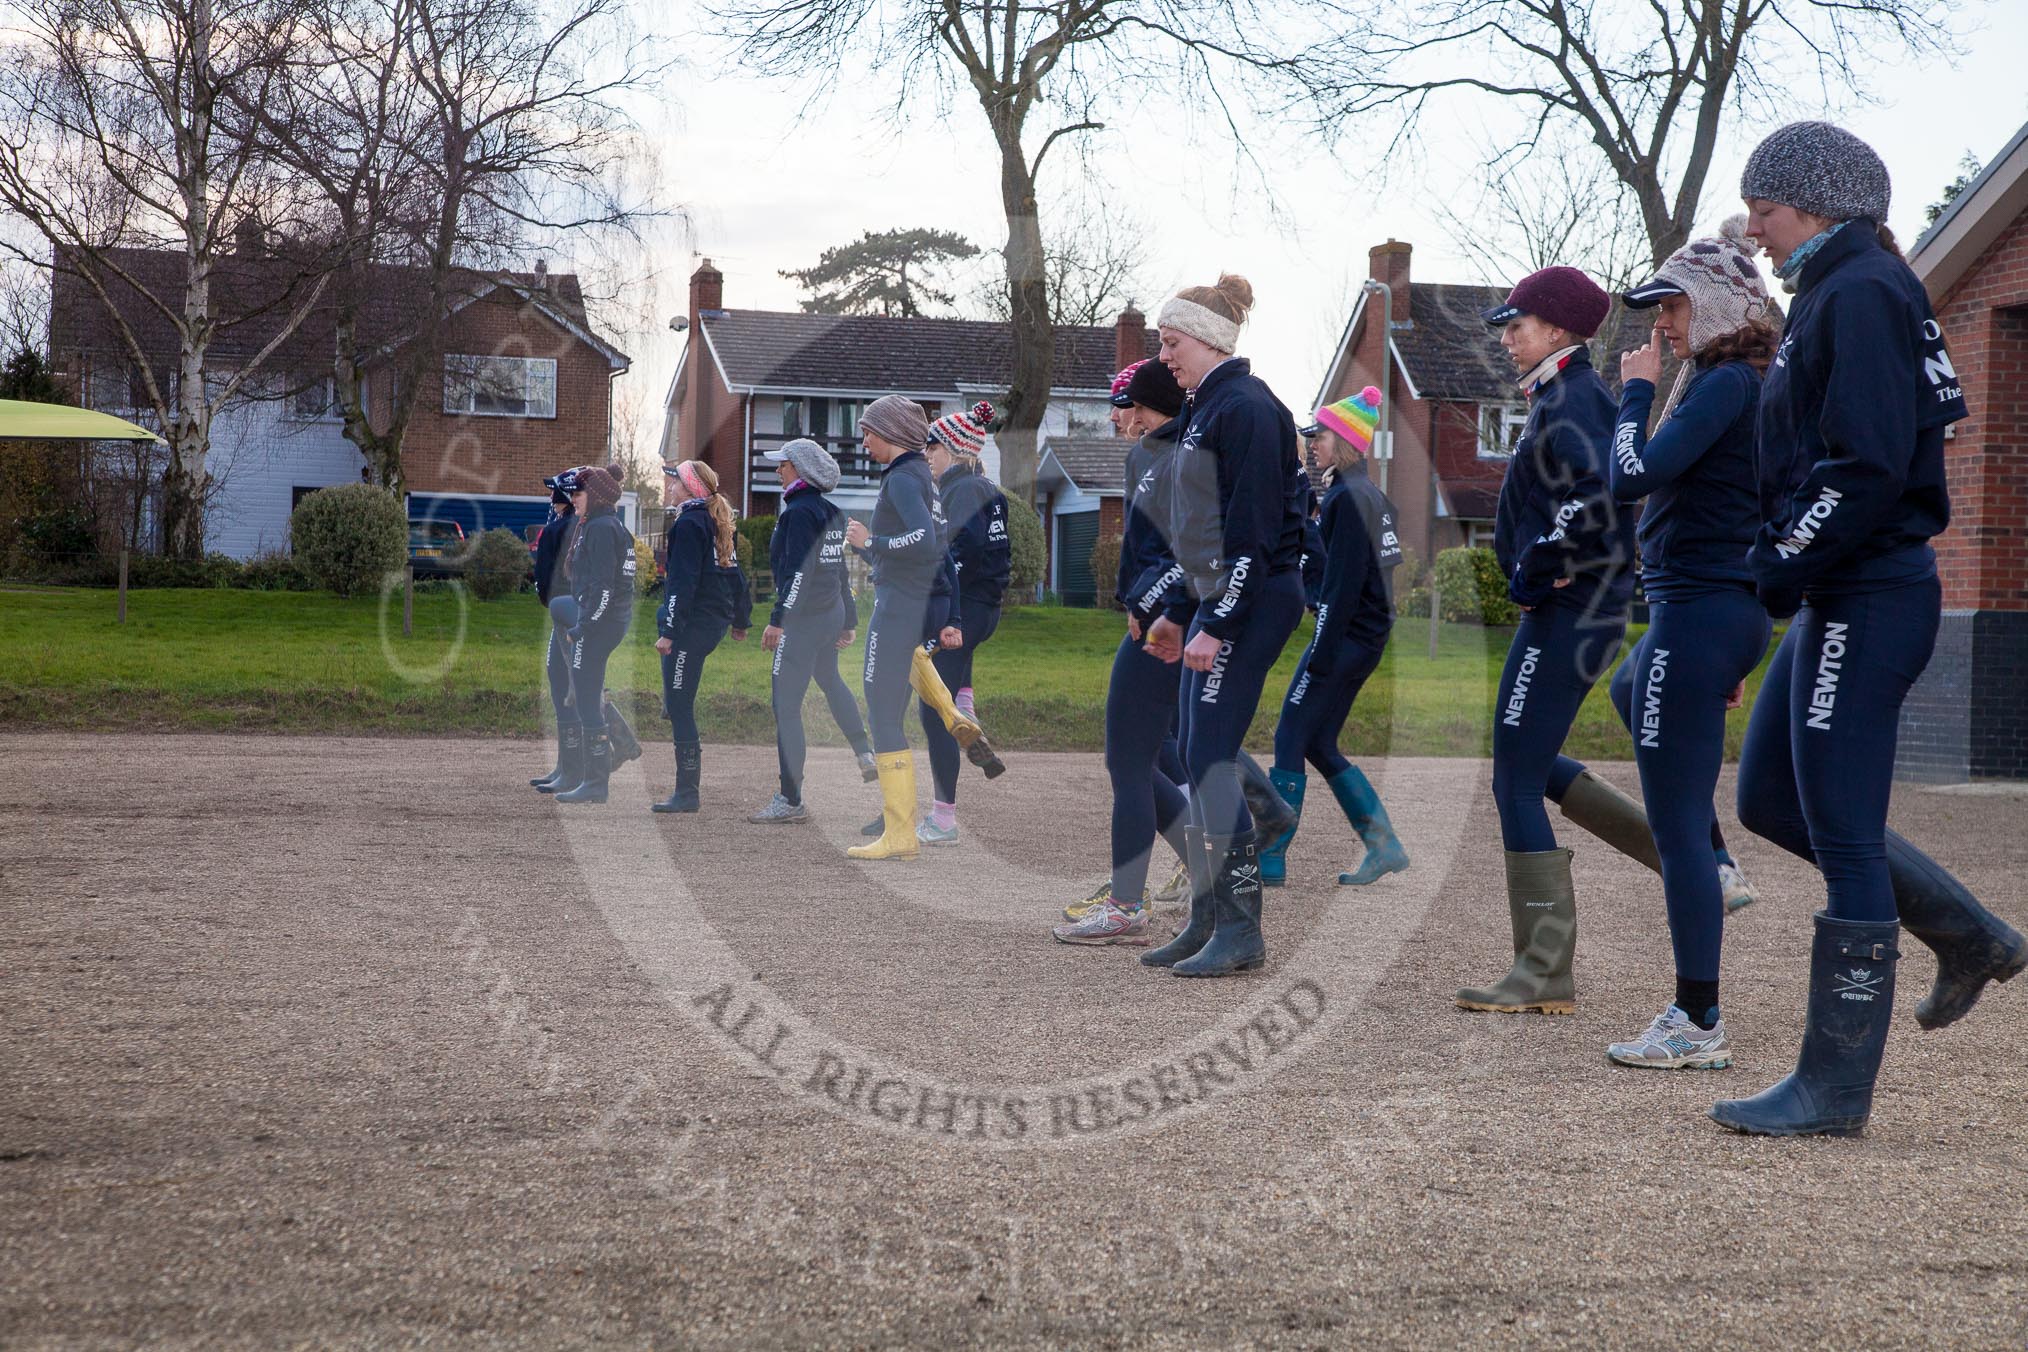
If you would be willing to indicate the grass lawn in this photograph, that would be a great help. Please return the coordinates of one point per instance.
(292, 662)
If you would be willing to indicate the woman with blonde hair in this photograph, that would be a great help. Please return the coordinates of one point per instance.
(704, 594)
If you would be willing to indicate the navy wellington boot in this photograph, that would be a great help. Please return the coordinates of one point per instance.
(1972, 945)
(1196, 932)
(1830, 1092)
(569, 761)
(1274, 866)
(1236, 944)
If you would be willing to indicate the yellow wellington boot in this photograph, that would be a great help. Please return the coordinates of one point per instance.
(930, 688)
(897, 805)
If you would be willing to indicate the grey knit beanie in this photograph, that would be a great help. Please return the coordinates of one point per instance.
(812, 463)
(897, 420)
(1821, 169)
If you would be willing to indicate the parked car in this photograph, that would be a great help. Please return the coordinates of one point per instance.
(437, 548)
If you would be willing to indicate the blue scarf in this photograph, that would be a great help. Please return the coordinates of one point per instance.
(1792, 270)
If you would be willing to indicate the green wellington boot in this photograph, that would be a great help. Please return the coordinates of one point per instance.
(1605, 812)
(1542, 905)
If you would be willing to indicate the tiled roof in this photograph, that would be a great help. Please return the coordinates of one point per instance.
(768, 349)
(252, 297)
(1472, 500)
(1095, 463)
(1450, 352)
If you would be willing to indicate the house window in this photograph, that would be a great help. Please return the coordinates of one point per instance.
(500, 387)
(792, 417)
(845, 419)
(1499, 429)
(314, 400)
(1479, 534)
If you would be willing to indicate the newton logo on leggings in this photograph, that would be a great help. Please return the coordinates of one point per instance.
(1830, 661)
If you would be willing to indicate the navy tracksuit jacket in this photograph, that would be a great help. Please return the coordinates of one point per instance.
(1851, 460)
(914, 589)
(813, 607)
(981, 559)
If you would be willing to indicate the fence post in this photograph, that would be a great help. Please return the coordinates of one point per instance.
(1434, 599)
(123, 586)
(408, 601)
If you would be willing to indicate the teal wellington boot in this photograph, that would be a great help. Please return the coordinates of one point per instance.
(1274, 864)
(1362, 808)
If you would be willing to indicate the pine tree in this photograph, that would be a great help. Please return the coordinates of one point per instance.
(892, 273)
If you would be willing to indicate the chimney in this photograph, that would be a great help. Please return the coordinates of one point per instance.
(542, 274)
(1390, 265)
(707, 290)
(1130, 338)
(249, 238)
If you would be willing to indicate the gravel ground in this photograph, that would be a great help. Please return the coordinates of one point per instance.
(344, 1041)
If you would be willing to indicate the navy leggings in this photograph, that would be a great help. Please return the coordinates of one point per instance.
(682, 673)
(588, 658)
(1316, 707)
(892, 633)
(1817, 769)
(1558, 654)
(809, 651)
(955, 665)
(1218, 705)
(1140, 717)
(1695, 651)
(558, 664)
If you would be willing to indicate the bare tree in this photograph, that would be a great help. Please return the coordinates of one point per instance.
(448, 137)
(1646, 84)
(1041, 72)
(119, 127)
(1093, 259)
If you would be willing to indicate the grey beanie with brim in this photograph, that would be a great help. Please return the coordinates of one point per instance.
(813, 464)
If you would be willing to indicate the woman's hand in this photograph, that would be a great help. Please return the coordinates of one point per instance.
(845, 639)
(1736, 697)
(1134, 628)
(771, 637)
(856, 533)
(1644, 362)
(1201, 652)
(665, 646)
(951, 637)
(1165, 639)
(739, 635)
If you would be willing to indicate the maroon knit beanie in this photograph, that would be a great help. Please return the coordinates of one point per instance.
(1564, 297)
(601, 487)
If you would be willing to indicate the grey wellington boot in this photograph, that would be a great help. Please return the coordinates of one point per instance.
(1542, 905)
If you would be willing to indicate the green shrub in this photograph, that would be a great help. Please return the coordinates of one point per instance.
(751, 541)
(153, 570)
(349, 538)
(1412, 602)
(56, 537)
(500, 564)
(273, 571)
(1031, 556)
(1105, 569)
(1472, 589)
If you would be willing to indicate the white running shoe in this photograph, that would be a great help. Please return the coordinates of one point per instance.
(929, 833)
(1675, 1042)
(1739, 893)
(1109, 923)
(1176, 889)
(781, 812)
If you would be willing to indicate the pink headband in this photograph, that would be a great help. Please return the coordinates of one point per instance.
(687, 472)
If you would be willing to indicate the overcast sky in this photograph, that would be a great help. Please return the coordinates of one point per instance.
(765, 191)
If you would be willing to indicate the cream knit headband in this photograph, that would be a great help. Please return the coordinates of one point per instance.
(1200, 322)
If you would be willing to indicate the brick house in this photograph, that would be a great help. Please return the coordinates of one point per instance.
(1967, 718)
(1455, 409)
(523, 390)
(748, 380)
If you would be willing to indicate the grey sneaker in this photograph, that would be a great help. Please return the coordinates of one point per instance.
(1739, 893)
(869, 769)
(1675, 1042)
(781, 812)
(1107, 923)
(929, 833)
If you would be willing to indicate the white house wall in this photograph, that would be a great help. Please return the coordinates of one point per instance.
(259, 457)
